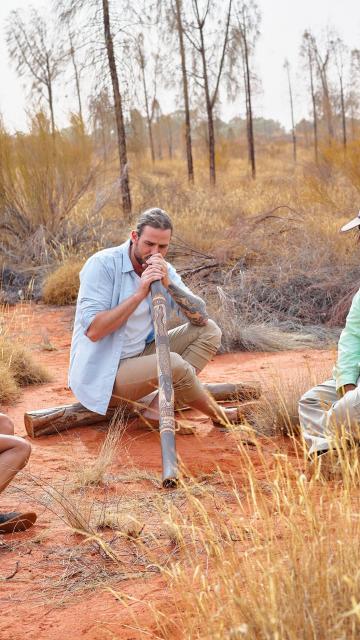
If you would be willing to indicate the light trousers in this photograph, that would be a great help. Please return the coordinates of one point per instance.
(191, 348)
(323, 413)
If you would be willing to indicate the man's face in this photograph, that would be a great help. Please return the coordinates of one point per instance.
(151, 241)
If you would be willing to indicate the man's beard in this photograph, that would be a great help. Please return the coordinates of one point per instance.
(140, 260)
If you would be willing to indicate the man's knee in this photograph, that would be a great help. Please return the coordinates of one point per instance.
(180, 368)
(6, 425)
(213, 333)
(23, 448)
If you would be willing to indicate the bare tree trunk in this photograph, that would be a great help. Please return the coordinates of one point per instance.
(313, 100)
(343, 115)
(148, 117)
(209, 110)
(352, 121)
(211, 100)
(326, 97)
(189, 156)
(169, 137)
(287, 66)
(77, 79)
(50, 98)
(251, 141)
(124, 177)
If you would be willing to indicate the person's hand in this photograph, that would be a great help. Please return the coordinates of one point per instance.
(150, 274)
(347, 387)
(157, 260)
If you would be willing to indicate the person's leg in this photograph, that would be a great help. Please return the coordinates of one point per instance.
(196, 345)
(322, 413)
(14, 454)
(137, 377)
(6, 425)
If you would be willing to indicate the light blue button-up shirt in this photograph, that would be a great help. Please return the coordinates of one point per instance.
(105, 282)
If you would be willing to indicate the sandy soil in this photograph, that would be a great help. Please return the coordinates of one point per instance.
(53, 584)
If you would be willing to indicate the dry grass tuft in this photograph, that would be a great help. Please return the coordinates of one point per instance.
(277, 410)
(18, 369)
(93, 473)
(9, 390)
(62, 285)
(129, 526)
(174, 533)
(21, 364)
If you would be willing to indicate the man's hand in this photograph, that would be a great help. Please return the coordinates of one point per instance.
(347, 387)
(153, 271)
(157, 261)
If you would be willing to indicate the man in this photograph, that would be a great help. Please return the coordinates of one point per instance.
(113, 357)
(14, 454)
(335, 404)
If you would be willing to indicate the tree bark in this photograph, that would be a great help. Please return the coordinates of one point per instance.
(313, 100)
(250, 128)
(292, 113)
(209, 111)
(56, 419)
(50, 98)
(189, 157)
(124, 175)
(211, 100)
(77, 79)
(343, 115)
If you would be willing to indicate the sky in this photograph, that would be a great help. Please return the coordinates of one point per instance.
(282, 25)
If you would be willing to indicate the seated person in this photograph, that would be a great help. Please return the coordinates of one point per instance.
(113, 354)
(14, 454)
(335, 404)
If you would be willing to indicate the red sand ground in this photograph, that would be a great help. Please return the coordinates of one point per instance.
(51, 594)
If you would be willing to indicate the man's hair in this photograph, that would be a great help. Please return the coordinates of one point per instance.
(156, 218)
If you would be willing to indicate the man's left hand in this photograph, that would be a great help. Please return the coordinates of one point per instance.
(158, 260)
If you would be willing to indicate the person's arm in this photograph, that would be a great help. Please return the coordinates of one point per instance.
(347, 368)
(106, 322)
(345, 388)
(192, 306)
(95, 295)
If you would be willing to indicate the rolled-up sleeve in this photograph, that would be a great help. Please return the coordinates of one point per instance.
(348, 362)
(96, 290)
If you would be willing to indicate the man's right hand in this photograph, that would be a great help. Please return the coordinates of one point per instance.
(150, 274)
(347, 387)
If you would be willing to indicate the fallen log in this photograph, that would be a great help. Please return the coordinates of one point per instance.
(43, 422)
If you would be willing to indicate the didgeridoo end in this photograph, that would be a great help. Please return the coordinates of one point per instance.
(170, 483)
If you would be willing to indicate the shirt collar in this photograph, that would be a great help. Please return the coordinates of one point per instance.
(127, 264)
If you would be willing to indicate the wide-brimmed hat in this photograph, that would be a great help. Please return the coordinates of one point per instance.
(355, 222)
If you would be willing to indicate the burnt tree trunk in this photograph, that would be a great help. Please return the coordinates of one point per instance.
(124, 175)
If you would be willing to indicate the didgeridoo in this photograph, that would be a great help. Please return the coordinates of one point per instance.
(166, 390)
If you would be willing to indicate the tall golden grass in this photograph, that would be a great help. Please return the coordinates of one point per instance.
(276, 557)
(271, 246)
